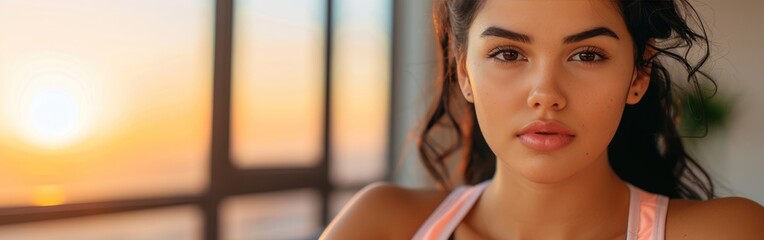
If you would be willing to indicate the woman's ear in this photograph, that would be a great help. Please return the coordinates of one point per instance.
(465, 84)
(641, 77)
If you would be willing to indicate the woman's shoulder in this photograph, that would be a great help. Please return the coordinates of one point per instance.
(720, 218)
(384, 211)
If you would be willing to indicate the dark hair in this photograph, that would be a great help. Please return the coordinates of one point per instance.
(646, 150)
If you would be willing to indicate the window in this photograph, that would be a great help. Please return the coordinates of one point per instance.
(279, 62)
(117, 108)
(282, 215)
(208, 119)
(360, 90)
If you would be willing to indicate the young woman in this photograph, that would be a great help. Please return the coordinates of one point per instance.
(564, 128)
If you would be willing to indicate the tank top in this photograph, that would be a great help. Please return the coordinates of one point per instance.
(647, 214)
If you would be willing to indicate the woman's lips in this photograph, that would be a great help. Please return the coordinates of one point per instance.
(545, 136)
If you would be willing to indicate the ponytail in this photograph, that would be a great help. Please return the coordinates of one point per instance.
(450, 124)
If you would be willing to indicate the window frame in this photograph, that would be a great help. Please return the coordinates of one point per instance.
(225, 179)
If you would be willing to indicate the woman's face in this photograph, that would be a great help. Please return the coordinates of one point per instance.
(566, 65)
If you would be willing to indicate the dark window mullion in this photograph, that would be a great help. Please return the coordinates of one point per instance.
(220, 164)
(392, 134)
(15, 215)
(326, 185)
(269, 180)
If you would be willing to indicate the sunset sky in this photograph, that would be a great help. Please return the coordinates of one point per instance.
(103, 100)
(361, 89)
(278, 83)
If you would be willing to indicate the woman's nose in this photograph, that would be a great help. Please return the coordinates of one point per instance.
(545, 93)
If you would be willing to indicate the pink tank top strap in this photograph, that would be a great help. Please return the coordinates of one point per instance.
(647, 215)
(450, 213)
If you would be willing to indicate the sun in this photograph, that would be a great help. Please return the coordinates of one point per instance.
(52, 113)
(53, 116)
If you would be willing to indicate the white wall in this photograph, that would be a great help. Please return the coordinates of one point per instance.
(732, 156)
(415, 65)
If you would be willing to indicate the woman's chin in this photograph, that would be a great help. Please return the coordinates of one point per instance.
(545, 169)
(546, 177)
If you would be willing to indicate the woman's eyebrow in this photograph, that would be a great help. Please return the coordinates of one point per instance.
(504, 33)
(508, 34)
(594, 32)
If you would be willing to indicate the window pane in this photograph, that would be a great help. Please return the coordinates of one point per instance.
(182, 223)
(360, 89)
(103, 100)
(278, 82)
(284, 215)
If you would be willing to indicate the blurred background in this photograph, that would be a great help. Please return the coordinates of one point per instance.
(257, 119)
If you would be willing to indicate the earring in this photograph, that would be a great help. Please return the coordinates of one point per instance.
(636, 94)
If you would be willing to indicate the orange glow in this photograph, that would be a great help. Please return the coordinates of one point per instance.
(48, 195)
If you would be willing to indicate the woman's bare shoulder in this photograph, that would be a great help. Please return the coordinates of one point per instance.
(721, 218)
(384, 211)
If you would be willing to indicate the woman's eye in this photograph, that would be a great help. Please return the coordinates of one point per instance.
(587, 57)
(507, 55)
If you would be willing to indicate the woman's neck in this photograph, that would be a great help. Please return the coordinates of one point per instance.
(592, 204)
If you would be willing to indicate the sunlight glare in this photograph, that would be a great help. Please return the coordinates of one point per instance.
(54, 114)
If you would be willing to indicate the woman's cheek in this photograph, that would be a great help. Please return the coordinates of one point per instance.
(607, 113)
(499, 105)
